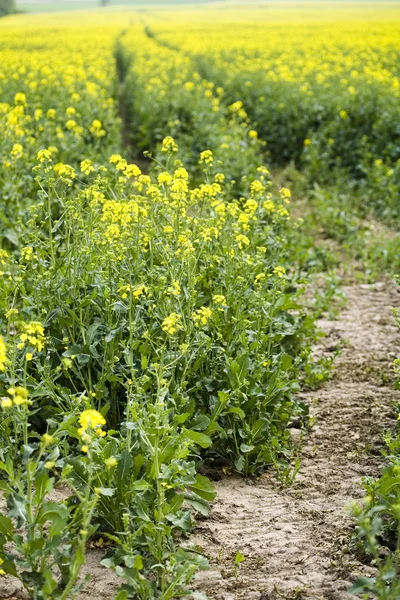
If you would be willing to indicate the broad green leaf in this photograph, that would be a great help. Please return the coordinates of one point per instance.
(245, 448)
(237, 411)
(203, 488)
(50, 584)
(198, 504)
(140, 486)
(55, 514)
(122, 594)
(6, 526)
(201, 439)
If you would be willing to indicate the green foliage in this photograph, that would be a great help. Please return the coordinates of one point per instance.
(42, 542)
(7, 7)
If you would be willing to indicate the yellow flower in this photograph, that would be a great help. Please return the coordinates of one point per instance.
(220, 301)
(26, 253)
(250, 205)
(65, 172)
(17, 151)
(236, 106)
(19, 395)
(33, 336)
(164, 177)
(115, 158)
(242, 240)
(20, 98)
(260, 277)
(3, 354)
(91, 419)
(111, 462)
(201, 316)
(279, 271)
(171, 324)
(174, 289)
(269, 206)
(169, 145)
(285, 193)
(139, 291)
(87, 167)
(44, 155)
(256, 187)
(6, 403)
(253, 134)
(206, 157)
(96, 129)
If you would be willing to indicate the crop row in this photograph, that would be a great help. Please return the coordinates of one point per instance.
(149, 321)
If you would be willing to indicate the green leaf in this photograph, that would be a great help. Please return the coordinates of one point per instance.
(55, 514)
(91, 331)
(239, 558)
(18, 508)
(4, 487)
(223, 396)
(122, 472)
(201, 439)
(245, 448)
(203, 488)
(82, 359)
(363, 584)
(42, 485)
(134, 562)
(239, 463)
(6, 527)
(179, 419)
(244, 362)
(237, 411)
(234, 367)
(50, 584)
(200, 423)
(122, 594)
(140, 486)
(105, 491)
(200, 505)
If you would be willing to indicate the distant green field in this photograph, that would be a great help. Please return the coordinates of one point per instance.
(66, 5)
(35, 6)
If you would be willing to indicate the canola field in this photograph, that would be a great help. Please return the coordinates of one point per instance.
(157, 268)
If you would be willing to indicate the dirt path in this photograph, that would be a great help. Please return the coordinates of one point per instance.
(295, 541)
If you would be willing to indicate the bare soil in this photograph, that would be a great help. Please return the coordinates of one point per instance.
(296, 540)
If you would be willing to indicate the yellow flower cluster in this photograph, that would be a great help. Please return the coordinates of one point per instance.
(202, 315)
(172, 323)
(91, 422)
(33, 337)
(18, 397)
